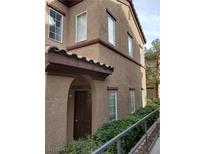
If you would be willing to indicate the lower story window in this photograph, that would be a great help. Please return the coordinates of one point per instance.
(112, 100)
(132, 101)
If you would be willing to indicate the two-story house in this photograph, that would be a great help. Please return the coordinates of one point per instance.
(94, 66)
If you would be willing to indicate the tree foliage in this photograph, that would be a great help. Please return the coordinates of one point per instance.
(152, 56)
(154, 50)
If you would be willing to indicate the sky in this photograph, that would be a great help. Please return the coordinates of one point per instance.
(148, 12)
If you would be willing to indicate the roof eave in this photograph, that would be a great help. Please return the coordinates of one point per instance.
(70, 3)
(138, 22)
(58, 60)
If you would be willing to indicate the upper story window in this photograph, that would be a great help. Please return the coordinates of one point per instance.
(112, 100)
(81, 27)
(55, 25)
(130, 46)
(111, 29)
(132, 101)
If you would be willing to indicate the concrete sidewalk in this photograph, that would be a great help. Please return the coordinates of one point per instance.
(156, 148)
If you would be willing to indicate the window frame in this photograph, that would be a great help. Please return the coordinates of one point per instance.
(76, 30)
(114, 29)
(134, 103)
(116, 114)
(132, 52)
(61, 40)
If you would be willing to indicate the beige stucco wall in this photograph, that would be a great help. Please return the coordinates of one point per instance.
(126, 75)
(56, 112)
(123, 25)
(91, 51)
(91, 7)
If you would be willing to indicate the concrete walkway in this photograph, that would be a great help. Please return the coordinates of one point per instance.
(156, 148)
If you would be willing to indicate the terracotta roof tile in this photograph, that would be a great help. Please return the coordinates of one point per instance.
(76, 56)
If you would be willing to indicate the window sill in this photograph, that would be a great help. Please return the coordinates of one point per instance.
(81, 41)
(114, 45)
(61, 42)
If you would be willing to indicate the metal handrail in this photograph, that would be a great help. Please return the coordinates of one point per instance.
(144, 138)
(122, 134)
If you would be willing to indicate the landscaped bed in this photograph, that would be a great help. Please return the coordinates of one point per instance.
(111, 129)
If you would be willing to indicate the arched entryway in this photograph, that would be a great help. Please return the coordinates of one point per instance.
(79, 109)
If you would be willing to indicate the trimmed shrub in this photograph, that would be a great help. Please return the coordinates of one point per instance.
(109, 130)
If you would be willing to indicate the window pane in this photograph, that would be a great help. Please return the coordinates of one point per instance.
(130, 49)
(52, 21)
(58, 31)
(52, 28)
(52, 13)
(111, 30)
(81, 27)
(58, 17)
(112, 105)
(51, 35)
(58, 37)
(58, 24)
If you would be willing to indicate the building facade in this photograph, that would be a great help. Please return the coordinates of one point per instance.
(94, 67)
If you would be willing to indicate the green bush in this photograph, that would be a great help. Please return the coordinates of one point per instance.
(154, 100)
(111, 129)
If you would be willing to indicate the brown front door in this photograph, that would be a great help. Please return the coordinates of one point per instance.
(82, 114)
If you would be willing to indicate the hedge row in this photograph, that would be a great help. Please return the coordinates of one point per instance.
(111, 129)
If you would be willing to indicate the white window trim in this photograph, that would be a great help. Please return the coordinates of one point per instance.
(116, 115)
(132, 53)
(114, 43)
(61, 41)
(76, 41)
(134, 101)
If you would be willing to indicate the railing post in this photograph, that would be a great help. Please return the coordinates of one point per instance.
(146, 139)
(158, 129)
(157, 123)
(118, 147)
(156, 120)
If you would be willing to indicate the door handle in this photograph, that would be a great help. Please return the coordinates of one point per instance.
(76, 120)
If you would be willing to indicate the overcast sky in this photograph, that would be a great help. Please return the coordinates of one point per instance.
(149, 15)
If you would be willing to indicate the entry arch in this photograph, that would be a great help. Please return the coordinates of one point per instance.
(79, 111)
